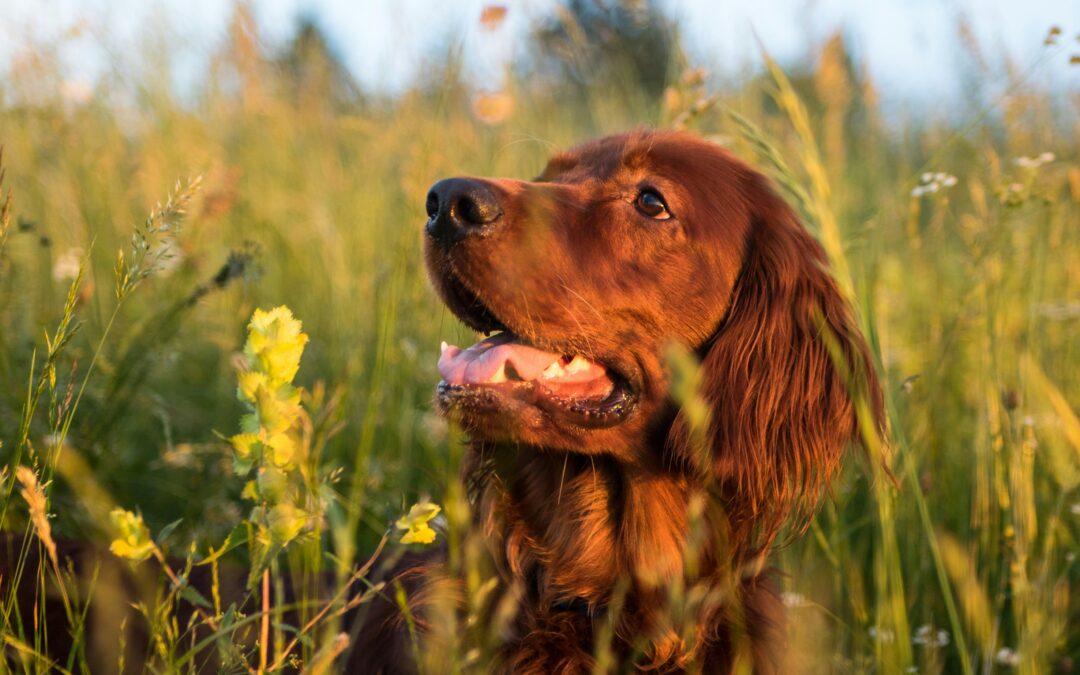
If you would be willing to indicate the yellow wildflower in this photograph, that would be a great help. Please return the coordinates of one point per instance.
(275, 344)
(415, 523)
(246, 446)
(281, 450)
(248, 383)
(276, 414)
(280, 361)
(271, 484)
(286, 521)
(133, 537)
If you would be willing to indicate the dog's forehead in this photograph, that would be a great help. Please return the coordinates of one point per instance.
(598, 159)
(620, 155)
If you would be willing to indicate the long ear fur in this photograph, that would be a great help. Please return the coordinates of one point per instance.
(781, 410)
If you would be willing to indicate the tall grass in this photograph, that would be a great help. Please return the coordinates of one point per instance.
(965, 278)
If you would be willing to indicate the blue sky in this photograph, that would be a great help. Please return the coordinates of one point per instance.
(911, 47)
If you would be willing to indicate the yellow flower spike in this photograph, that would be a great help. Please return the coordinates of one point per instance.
(248, 383)
(415, 523)
(286, 522)
(272, 484)
(275, 414)
(275, 344)
(133, 537)
(249, 423)
(275, 324)
(245, 446)
(281, 450)
(256, 342)
(250, 491)
(281, 360)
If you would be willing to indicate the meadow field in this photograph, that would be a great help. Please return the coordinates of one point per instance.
(141, 230)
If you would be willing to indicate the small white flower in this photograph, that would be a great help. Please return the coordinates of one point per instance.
(793, 599)
(883, 635)
(67, 264)
(926, 635)
(1032, 163)
(933, 182)
(1007, 657)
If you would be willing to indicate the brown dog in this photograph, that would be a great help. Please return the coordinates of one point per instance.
(584, 476)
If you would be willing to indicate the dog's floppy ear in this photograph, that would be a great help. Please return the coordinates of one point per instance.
(781, 408)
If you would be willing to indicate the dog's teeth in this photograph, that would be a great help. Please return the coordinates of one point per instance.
(554, 370)
(443, 347)
(499, 375)
(579, 364)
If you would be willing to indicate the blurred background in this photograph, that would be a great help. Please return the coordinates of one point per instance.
(927, 57)
(941, 136)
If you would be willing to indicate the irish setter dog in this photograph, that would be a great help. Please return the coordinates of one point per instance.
(595, 491)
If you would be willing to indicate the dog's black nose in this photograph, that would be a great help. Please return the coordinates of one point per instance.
(459, 207)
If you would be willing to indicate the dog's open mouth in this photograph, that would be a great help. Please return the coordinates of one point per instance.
(560, 384)
(505, 358)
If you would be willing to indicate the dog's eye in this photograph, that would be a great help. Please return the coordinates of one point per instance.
(652, 205)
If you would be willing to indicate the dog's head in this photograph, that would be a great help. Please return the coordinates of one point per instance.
(619, 248)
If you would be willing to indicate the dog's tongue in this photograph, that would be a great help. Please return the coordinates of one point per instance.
(503, 358)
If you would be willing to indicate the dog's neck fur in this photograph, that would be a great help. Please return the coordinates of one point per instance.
(579, 523)
(581, 527)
